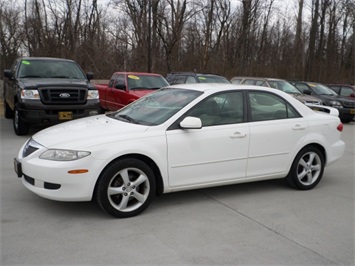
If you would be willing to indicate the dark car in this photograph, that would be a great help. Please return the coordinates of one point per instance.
(278, 84)
(192, 77)
(345, 105)
(41, 90)
(343, 89)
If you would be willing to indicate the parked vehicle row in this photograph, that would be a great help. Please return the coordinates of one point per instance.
(279, 84)
(345, 105)
(309, 93)
(42, 90)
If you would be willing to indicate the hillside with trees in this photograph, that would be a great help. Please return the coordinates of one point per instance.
(305, 39)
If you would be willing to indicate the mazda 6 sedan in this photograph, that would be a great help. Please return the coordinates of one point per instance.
(181, 137)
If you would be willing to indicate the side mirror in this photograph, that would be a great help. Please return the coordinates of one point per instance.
(191, 122)
(8, 73)
(352, 95)
(90, 75)
(308, 92)
(120, 86)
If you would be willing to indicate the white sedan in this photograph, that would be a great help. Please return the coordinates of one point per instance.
(178, 138)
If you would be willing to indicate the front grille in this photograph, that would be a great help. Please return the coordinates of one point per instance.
(63, 95)
(349, 104)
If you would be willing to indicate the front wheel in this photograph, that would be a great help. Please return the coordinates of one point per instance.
(307, 169)
(21, 127)
(7, 110)
(126, 188)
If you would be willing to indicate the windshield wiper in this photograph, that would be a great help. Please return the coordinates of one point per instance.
(61, 77)
(31, 76)
(128, 118)
(140, 88)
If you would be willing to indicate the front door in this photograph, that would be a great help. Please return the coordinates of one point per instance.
(215, 154)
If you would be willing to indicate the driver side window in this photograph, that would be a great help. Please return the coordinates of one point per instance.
(220, 109)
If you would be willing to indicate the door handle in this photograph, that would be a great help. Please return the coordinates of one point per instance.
(299, 127)
(238, 135)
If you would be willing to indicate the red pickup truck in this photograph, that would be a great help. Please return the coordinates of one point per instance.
(126, 87)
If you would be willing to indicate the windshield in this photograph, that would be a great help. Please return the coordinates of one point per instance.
(212, 79)
(157, 107)
(322, 90)
(49, 69)
(284, 86)
(137, 81)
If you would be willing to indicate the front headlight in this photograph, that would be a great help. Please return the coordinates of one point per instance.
(63, 155)
(336, 104)
(30, 94)
(93, 94)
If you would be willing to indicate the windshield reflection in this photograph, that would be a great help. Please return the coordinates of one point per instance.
(157, 107)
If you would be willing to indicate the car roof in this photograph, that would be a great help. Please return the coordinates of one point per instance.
(194, 73)
(258, 78)
(45, 58)
(215, 87)
(138, 73)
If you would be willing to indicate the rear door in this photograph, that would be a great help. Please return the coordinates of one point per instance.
(276, 131)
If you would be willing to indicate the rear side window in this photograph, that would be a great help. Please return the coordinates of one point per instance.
(267, 106)
(345, 91)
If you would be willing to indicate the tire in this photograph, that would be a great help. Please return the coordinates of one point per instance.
(307, 169)
(125, 188)
(21, 127)
(346, 120)
(7, 110)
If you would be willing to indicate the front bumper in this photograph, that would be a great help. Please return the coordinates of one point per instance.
(52, 180)
(34, 112)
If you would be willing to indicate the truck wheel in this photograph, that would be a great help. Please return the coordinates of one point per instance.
(346, 120)
(7, 110)
(21, 127)
(307, 169)
(126, 188)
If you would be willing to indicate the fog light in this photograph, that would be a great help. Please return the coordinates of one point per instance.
(93, 112)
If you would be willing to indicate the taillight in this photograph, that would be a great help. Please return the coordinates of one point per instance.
(340, 127)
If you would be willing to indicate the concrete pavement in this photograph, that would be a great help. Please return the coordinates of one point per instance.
(263, 223)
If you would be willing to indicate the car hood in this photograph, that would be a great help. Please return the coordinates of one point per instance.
(338, 98)
(141, 92)
(305, 98)
(77, 133)
(40, 82)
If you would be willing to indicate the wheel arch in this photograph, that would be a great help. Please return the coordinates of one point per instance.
(319, 147)
(143, 158)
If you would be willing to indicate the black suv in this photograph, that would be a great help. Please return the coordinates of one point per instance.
(346, 106)
(191, 77)
(41, 90)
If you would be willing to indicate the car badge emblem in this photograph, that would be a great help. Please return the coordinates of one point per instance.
(64, 95)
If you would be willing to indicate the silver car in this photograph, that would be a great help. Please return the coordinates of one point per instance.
(279, 84)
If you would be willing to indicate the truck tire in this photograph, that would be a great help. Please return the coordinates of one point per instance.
(21, 127)
(7, 110)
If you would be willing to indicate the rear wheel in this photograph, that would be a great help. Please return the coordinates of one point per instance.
(346, 120)
(20, 126)
(126, 188)
(307, 169)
